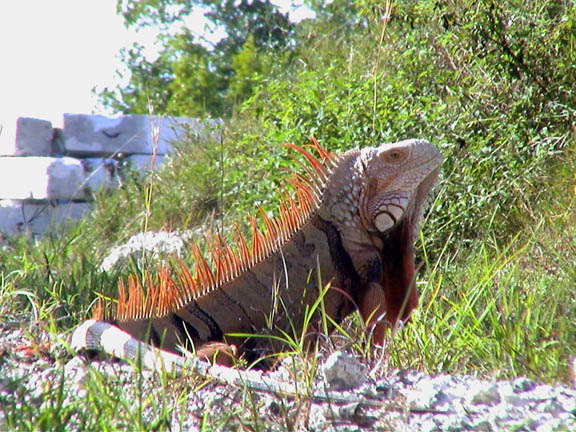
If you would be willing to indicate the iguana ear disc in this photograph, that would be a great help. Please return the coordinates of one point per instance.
(389, 210)
(384, 222)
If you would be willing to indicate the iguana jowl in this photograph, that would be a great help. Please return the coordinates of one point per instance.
(354, 221)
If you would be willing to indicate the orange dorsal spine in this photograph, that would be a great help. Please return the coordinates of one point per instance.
(152, 297)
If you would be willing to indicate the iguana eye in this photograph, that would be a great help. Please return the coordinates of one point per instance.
(395, 156)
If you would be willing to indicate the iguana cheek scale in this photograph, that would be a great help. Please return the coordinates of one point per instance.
(351, 224)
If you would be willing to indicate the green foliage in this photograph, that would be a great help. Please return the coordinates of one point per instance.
(188, 79)
(247, 66)
(477, 315)
(180, 81)
(491, 85)
(194, 88)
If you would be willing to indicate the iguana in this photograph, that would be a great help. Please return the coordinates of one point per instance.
(351, 225)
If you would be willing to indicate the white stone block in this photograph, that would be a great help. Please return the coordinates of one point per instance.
(38, 217)
(100, 173)
(33, 137)
(37, 177)
(85, 135)
(143, 163)
(28, 137)
(178, 129)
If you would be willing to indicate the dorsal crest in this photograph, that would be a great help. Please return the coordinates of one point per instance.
(170, 289)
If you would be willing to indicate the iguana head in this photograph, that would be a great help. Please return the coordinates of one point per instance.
(396, 181)
(376, 198)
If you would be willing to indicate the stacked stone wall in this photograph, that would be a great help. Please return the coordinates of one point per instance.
(48, 174)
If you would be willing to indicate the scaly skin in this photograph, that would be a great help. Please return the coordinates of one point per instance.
(358, 239)
(378, 222)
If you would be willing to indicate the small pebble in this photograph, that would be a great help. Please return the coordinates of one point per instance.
(343, 371)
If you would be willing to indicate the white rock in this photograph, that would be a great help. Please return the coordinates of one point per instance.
(144, 244)
(38, 177)
(100, 173)
(343, 371)
(484, 394)
(523, 384)
(543, 392)
(509, 395)
(482, 425)
(317, 418)
(143, 163)
(97, 135)
(76, 374)
(37, 217)
(553, 424)
(28, 136)
(568, 402)
(33, 137)
(552, 406)
(427, 394)
(177, 129)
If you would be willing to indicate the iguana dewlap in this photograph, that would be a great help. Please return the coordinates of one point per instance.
(351, 226)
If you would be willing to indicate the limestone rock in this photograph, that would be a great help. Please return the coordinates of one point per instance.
(143, 163)
(33, 137)
(343, 371)
(26, 137)
(100, 173)
(37, 217)
(96, 135)
(41, 178)
(485, 394)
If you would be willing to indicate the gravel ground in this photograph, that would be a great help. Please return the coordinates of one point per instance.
(403, 400)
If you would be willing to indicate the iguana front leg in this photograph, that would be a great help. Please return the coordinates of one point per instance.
(372, 306)
(218, 353)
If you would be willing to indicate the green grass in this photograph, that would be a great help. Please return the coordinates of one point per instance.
(500, 316)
